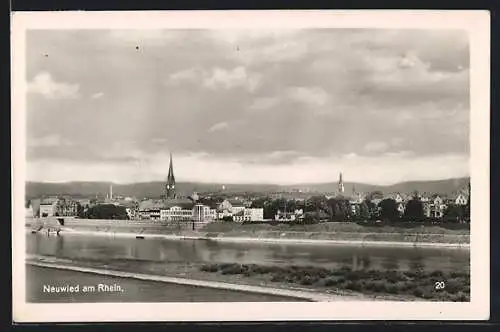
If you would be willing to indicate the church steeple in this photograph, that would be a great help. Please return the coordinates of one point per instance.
(341, 184)
(170, 186)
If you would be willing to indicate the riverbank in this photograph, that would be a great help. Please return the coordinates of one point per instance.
(283, 240)
(91, 288)
(307, 283)
(408, 234)
(188, 275)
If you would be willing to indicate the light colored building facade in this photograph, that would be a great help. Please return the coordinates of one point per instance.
(289, 216)
(203, 213)
(461, 199)
(48, 207)
(437, 207)
(176, 213)
(249, 214)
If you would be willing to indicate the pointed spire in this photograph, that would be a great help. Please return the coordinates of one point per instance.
(170, 186)
(341, 184)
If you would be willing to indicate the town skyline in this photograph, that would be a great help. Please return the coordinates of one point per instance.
(266, 107)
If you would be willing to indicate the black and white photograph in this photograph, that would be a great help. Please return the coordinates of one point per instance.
(221, 160)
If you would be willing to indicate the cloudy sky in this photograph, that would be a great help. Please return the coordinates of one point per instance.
(288, 106)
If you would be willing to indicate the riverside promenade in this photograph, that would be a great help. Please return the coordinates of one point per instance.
(338, 234)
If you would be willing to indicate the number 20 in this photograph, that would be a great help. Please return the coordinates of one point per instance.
(439, 285)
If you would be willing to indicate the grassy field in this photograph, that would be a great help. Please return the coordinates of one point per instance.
(416, 284)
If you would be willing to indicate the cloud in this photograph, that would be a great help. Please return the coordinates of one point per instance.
(218, 126)
(186, 75)
(376, 146)
(44, 84)
(228, 79)
(217, 78)
(264, 103)
(97, 95)
(53, 140)
(377, 169)
(386, 85)
(308, 95)
(255, 47)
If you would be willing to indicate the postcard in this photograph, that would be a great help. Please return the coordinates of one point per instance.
(250, 165)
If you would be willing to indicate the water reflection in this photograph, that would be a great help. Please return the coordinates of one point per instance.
(188, 251)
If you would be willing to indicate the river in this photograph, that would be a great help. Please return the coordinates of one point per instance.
(73, 246)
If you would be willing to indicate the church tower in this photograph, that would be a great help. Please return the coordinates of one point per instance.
(170, 185)
(341, 184)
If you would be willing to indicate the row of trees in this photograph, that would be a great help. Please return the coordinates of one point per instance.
(103, 211)
(319, 208)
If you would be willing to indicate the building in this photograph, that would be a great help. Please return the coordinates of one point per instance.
(461, 199)
(177, 210)
(66, 207)
(298, 214)
(48, 207)
(203, 213)
(355, 201)
(230, 207)
(341, 184)
(249, 215)
(437, 207)
(149, 210)
(401, 207)
(170, 189)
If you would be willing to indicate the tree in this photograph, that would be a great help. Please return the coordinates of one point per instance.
(364, 211)
(80, 210)
(338, 209)
(372, 208)
(259, 202)
(414, 210)
(106, 211)
(454, 213)
(377, 194)
(467, 206)
(389, 210)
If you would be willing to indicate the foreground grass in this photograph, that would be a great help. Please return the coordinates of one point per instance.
(419, 284)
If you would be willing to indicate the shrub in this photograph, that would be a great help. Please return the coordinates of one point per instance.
(233, 269)
(460, 297)
(418, 292)
(391, 289)
(308, 280)
(278, 278)
(209, 268)
(437, 273)
(353, 285)
(331, 281)
(453, 286)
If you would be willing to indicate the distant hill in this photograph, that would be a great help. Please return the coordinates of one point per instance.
(154, 189)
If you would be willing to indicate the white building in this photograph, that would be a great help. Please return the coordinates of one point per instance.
(461, 199)
(437, 207)
(249, 214)
(176, 213)
(48, 207)
(289, 216)
(203, 213)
